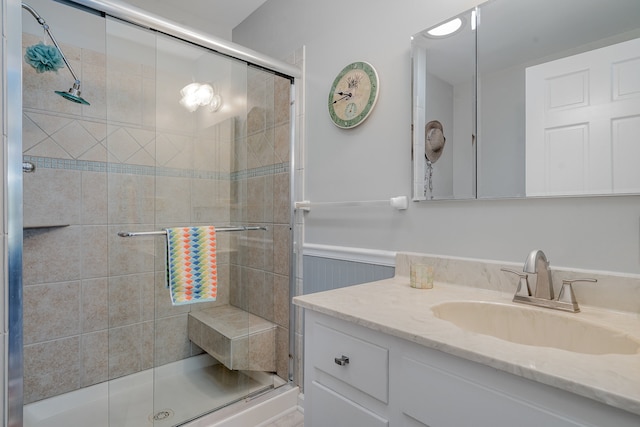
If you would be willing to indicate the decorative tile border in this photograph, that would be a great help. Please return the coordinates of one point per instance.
(119, 168)
(261, 171)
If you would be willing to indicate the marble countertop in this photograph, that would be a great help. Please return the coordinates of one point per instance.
(391, 306)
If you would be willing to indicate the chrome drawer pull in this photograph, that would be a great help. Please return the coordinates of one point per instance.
(342, 361)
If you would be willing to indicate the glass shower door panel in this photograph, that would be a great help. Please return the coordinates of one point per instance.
(64, 253)
(194, 139)
(130, 186)
(201, 101)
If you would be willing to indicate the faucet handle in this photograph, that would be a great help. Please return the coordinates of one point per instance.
(566, 293)
(523, 285)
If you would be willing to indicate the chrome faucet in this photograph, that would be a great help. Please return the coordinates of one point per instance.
(537, 263)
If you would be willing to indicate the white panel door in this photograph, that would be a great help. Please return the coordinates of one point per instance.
(583, 123)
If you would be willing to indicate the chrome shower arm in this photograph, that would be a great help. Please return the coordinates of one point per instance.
(44, 25)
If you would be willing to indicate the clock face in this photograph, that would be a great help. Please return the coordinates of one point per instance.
(353, 94)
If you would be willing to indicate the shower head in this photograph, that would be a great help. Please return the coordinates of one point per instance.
(74, 93)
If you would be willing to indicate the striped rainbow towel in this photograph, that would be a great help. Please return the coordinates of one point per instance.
(191, 264)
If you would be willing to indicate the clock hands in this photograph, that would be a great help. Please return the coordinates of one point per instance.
(344, 95)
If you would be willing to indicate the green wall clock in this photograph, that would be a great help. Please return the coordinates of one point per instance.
(353, 95)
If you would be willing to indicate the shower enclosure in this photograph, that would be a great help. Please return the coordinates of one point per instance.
(180, 131)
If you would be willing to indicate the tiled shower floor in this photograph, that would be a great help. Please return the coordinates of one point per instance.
(182, 390)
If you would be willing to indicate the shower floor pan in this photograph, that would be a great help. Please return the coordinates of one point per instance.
(183, 390)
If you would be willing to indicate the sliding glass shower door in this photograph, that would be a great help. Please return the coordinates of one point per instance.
(194, 138)
(175, 136)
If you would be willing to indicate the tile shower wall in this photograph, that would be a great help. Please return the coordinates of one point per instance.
(260, 267)
(95, 304)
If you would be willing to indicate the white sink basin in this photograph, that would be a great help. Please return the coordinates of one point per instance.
(539, 327)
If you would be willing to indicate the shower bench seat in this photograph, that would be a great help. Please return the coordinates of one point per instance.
(236, 338)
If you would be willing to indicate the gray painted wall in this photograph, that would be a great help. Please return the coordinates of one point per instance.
(372, 161)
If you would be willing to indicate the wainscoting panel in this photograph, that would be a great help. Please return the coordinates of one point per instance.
(322, 274)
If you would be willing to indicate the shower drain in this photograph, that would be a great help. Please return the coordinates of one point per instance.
(162, 415)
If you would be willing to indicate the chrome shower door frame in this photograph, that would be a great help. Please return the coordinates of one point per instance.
(13, 210)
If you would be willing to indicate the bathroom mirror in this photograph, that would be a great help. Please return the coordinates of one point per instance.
(444, 103)
(556, 97)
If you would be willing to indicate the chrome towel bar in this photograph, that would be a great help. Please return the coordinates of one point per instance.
(164, 232)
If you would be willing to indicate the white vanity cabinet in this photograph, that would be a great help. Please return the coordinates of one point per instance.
(389, 381)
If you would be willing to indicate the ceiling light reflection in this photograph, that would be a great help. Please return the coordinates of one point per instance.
(447, 28)
(195, 95)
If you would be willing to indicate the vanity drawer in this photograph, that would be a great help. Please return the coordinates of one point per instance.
(367, 368)
(333, 409)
